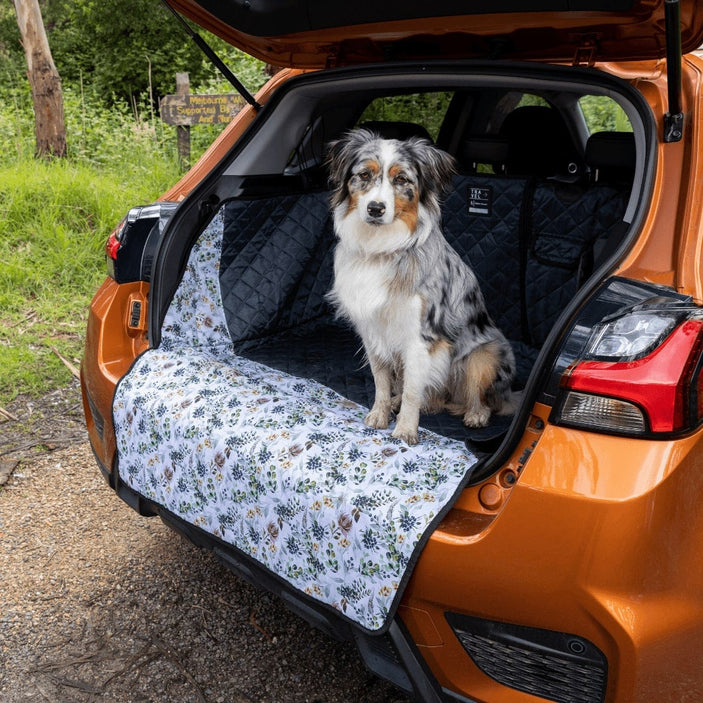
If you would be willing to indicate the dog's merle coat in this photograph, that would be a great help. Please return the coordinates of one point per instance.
(416, 305)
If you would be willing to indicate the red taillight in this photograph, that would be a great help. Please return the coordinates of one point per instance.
(664, 388)
(113, 243)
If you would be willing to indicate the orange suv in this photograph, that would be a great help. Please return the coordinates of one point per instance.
(552, 555)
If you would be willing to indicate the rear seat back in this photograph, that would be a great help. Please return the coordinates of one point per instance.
(567, 226)
(481, 220)
(532, 241)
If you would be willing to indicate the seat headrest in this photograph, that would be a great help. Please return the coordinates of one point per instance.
(539, 142)
(489, 150)
(612, 155)
(396, 130)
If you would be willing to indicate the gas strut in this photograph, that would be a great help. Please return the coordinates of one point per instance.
(219, 63)
(673, 119)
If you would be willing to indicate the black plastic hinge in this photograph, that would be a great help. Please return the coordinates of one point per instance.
(673, 127)
(209, 205)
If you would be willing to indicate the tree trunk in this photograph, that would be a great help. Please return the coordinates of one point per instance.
(44, 80)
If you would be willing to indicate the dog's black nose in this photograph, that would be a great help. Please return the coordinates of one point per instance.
(375, 209)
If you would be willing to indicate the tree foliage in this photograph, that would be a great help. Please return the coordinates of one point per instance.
(120, 49)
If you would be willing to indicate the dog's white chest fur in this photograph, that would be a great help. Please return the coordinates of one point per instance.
(365, 293)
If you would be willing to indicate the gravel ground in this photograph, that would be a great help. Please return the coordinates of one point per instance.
(100, 604)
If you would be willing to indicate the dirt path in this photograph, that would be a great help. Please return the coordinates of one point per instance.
(99, 604)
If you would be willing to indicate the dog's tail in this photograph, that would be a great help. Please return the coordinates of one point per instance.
(510, 403)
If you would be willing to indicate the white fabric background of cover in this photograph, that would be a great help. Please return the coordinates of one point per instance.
(280, 467)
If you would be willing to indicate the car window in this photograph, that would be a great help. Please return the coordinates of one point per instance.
(603, 114)
(530, 99)
(424, 109)
(509, 102)
(398, 116)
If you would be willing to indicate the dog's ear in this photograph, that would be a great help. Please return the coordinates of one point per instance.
(438, 166)
(335, 162)
(341, 156)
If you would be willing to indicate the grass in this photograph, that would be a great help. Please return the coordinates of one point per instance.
(55, 216)
(54, 219)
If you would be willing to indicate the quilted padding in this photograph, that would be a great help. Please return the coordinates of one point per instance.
(278, 466)
(530, 242)
(276, 268)
(332, 354)
(276, 264)
(562, 223)
(481, 220)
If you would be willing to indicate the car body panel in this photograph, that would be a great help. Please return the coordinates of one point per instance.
(658, 255)
(577, 531)
(630, 583)
(319, 34)
(111, 347)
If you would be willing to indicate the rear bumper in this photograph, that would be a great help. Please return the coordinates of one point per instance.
(393, 656)
(598, 539)
(623, 576)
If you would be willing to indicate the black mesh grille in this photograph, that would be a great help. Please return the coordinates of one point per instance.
(551, 665)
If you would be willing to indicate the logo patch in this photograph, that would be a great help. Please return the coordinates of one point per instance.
(480, 200)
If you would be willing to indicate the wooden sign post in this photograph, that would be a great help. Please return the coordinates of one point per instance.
(184, 110)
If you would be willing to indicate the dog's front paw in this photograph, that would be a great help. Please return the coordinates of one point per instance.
(477, 418)
(407, 434)
(377, 418)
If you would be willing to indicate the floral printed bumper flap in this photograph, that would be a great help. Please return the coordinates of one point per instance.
(278, 466)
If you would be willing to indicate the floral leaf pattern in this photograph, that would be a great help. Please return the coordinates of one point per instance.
(281, 467)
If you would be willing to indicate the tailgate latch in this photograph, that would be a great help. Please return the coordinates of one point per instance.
(136, 315)
(586, 50)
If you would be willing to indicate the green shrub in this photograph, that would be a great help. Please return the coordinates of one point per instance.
(603, 114)
(54, 219)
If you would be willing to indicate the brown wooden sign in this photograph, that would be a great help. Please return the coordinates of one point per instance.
(191, 109)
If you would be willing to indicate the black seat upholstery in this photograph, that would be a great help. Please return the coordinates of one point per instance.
(571, 227)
